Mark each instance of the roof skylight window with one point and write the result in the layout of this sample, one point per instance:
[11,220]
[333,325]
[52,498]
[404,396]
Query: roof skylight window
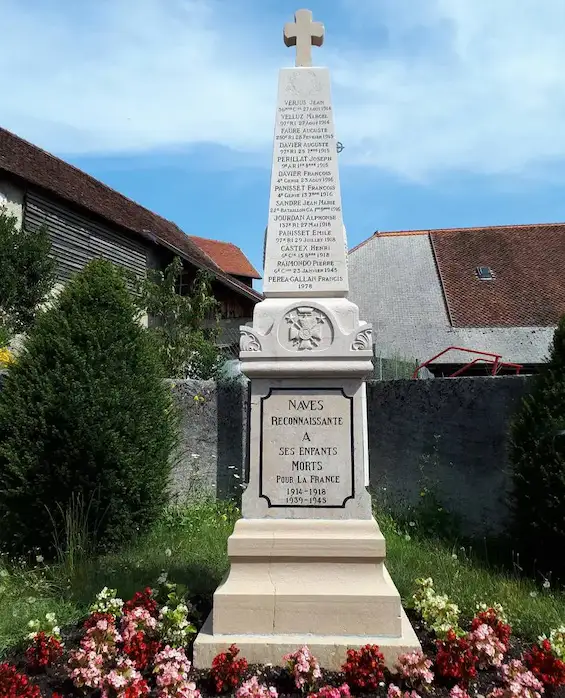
[485,273]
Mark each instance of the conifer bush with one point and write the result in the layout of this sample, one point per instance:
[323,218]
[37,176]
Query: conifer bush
[85,416]
[537,452]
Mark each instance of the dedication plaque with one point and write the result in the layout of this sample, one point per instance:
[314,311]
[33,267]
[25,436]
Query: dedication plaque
[306,448]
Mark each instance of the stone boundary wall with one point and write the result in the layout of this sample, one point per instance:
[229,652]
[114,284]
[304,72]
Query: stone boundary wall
[213,444]
[449,435]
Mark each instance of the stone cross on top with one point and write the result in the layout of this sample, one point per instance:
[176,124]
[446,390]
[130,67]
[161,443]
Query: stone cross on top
[303,33]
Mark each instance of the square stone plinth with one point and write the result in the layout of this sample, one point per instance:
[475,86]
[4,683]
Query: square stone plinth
[317,582]
[330,650]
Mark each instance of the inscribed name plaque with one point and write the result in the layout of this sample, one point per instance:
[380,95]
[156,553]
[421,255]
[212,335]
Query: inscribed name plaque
[306,451]
[305,250]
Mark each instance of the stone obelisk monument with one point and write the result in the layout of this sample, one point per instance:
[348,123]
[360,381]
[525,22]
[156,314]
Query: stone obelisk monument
[307,557]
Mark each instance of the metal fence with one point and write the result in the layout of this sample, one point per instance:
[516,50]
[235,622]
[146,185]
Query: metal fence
[392,367]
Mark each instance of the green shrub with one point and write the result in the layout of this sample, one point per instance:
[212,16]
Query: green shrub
[5,336]
[27,272]
[84,413]
[538,457]
[186,348]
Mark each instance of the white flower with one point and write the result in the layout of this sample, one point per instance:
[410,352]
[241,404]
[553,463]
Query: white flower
[407,536]
[454,556]
[107,602]
[546,584]
[168,552]
[39,559]
[533,594]
[4,573]
[412,523]
[162,578]
[557,639]
[30,599]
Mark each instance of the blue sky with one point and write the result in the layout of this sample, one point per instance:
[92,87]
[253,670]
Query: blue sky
[452,112]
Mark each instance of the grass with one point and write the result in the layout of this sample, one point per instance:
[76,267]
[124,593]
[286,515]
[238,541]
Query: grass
[189,543]
[531,609]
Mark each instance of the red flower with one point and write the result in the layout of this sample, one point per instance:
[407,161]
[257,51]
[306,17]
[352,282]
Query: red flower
[364,668]
[226,670]
[141,650]
[544,665]
[490,617]
[143,598]
[455,658]
[93,618]
[15,685]
[43,652]
[137,689]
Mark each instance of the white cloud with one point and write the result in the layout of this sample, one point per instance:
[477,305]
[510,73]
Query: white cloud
[133,75]
[445,85]
[487,95]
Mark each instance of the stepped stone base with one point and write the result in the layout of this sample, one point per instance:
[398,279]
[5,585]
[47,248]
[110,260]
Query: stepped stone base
[316,582]
[330,650]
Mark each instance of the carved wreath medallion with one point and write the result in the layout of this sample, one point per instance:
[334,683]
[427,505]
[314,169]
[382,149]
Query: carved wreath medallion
[306,329]
[303,84]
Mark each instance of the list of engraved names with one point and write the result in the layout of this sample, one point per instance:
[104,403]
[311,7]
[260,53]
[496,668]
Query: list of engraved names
[306,442]
[305,209]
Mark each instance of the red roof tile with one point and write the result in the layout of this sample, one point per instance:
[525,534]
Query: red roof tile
[527,261]
[528,265]
[39,168]
[227,256]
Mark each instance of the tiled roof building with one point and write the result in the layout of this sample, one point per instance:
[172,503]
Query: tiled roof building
[87,219]
[498,289]
[228,257]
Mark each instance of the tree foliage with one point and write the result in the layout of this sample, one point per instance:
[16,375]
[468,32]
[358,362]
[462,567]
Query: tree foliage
[538,456]
[186,346]
[27,272]
[85,415]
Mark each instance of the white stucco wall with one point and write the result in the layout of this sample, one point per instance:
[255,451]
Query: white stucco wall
[12,198]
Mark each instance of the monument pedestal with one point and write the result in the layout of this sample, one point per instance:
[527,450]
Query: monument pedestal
[317,582]
[307,558]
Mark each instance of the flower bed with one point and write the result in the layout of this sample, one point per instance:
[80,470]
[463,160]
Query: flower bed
[142,649]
